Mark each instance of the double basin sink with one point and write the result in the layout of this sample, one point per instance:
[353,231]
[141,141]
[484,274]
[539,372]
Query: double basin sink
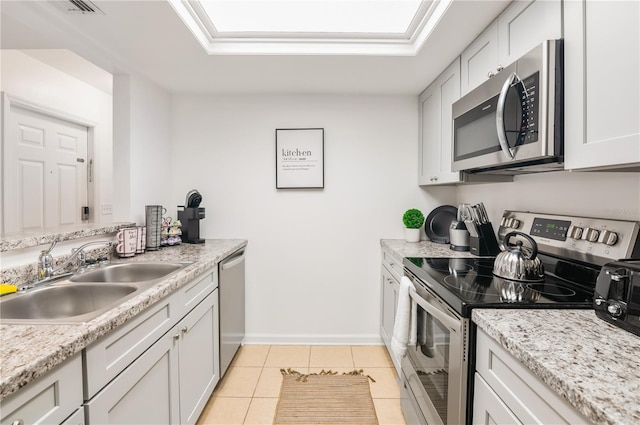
[85,295]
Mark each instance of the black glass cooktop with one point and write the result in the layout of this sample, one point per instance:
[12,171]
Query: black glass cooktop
[467,283]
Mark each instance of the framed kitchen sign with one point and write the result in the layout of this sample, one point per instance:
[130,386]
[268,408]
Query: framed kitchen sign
[299,158]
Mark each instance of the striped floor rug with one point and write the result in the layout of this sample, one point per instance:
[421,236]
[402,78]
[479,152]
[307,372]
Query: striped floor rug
[325,399]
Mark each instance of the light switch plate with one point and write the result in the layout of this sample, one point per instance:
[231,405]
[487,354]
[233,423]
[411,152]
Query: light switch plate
[106,209]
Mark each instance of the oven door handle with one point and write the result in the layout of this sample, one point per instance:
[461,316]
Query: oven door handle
[502,100]
[450,322]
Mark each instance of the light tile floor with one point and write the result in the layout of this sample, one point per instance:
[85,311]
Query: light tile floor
[249,391]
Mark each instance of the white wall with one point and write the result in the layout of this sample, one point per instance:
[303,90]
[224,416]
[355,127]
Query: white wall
[313,269]
[142,146]
[588,194]
[36,82]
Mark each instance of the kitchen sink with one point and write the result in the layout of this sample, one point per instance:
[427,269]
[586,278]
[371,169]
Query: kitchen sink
[63,301]
[127,272]
[85,295]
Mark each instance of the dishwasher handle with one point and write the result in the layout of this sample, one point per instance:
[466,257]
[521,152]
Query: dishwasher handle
[232,261]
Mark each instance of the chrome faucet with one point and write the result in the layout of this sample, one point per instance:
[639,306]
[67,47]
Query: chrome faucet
[45,259]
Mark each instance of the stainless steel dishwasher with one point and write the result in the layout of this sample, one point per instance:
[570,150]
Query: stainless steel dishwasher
[231,293]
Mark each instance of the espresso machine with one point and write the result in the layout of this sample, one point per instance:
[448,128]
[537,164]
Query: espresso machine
[190,217]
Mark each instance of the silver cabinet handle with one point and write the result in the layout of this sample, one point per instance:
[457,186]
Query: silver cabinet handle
[184,329]
[176,336]
[499,68]
[17,422]
[502,100]
[490,74]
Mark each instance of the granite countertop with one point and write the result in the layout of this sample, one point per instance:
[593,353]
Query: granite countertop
[591,363]
[401,248]
[28,351]
[10,241]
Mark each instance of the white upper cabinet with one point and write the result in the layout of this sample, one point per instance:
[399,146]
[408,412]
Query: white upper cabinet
[436,124]
[479,60]
[602,84]
[526,24]
[520,28]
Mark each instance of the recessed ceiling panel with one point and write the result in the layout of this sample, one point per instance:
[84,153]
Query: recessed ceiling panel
[312,16]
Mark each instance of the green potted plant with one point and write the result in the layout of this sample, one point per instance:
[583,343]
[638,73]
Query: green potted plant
[413,220]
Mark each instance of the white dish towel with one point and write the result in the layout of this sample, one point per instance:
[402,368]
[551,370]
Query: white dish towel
[404,328]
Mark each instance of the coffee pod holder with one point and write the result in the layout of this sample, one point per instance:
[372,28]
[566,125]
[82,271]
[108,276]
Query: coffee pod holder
[485,244]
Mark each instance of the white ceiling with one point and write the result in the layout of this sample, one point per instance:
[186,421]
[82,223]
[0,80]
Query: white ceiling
[148,38]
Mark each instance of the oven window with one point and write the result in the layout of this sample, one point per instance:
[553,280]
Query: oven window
[475,131]
[430,358]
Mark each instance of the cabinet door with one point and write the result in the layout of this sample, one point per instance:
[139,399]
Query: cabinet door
[479,61]
[430,154]
[525,24]
[602,64]
[76,419]
[488,409]
[146,392]
[47,400]
[198,358]
[389,288]
[436,127]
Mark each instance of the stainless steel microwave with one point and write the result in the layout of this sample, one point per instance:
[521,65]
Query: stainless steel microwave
[513,122]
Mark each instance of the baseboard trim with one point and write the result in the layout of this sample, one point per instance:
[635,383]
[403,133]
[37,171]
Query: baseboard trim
[273,339]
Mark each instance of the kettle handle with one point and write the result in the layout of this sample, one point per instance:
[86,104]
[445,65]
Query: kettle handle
[534,245]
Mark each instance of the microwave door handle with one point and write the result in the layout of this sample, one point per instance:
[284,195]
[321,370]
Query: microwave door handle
[447,320]
[502,100]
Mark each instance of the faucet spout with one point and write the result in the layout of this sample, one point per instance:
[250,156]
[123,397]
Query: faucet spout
[45,259]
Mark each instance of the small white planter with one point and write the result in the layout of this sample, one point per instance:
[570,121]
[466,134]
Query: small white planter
[412,235]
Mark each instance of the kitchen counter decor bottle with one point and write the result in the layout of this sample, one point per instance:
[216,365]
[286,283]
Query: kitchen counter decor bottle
[413,220]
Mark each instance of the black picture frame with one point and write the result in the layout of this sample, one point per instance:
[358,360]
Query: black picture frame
[300,158]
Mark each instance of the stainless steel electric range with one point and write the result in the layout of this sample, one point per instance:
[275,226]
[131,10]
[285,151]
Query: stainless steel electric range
[437,378]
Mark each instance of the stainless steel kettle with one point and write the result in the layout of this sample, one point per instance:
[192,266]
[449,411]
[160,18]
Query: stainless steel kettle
[519,263]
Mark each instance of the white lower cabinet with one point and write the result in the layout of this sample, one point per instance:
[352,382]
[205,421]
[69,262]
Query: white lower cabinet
[198,358]
[146,392]
[171,381]
[508,392]
[391,273]
[50,399]
[76,419]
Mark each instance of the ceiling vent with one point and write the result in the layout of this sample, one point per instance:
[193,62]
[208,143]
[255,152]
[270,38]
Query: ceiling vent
[78,7]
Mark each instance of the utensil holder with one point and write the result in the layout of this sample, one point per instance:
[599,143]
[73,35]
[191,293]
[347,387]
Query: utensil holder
[485,243]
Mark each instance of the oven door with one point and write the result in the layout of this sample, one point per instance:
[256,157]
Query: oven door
[435,369]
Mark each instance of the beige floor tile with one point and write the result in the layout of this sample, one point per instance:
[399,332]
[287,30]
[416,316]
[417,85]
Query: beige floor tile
[386,385]
[388,411]
[270,382]
[370,356]
[224,411]
[261,411]
[331,356]
[251,355]
[238,382]
[285,356]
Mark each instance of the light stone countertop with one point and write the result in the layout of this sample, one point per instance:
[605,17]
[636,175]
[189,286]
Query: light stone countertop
[10,241]
[594,365]
[401,248]
[28,351]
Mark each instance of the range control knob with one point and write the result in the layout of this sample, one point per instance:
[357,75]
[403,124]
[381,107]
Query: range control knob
[608,237]
[575,232]
[590,234]
[599,301]
[515,224]
[614,309]
[509,222]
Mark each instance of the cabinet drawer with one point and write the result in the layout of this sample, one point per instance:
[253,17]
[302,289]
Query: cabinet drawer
[111,354]
[488,408]
[190,295]
[76,419]
[50,399]
[392,263]
[528,397]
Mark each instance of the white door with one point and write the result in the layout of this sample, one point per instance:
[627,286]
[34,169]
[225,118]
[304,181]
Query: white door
[44,171]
